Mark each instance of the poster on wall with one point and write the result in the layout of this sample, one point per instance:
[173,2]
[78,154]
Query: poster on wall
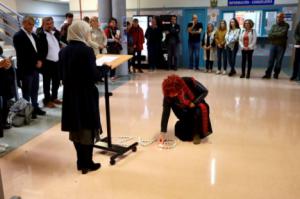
[250,2]
[213,15]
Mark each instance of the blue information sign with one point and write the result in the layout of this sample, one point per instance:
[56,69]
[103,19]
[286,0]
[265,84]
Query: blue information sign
[250,2]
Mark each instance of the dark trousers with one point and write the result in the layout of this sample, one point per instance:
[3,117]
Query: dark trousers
[172,55]
[1,117]
[276,57]
[247,57]
[231,55]
[296,68]
[221,52]
[208,63]
[30,88]
[84,155]
[115,51]
[194,54]
[154,56]
[137,59]
[50,75]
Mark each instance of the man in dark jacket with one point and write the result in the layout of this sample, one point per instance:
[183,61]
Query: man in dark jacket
[49,43]
[278,36]
[28,63]
[172,41]
[65,27]
[296,69]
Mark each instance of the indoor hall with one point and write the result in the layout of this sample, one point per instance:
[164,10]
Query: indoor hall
[252,153]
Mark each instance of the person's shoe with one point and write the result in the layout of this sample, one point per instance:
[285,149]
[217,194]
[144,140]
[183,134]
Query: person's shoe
[242,76]
[218,72]
[57,101]
[7,126]
[33,116]
[232,73]
[113,78]
[39,111]
[141,71]
[91,167]
[266,77]
[224,72]
[248,76]
[50,105]
[196,139]
[293,78]
[275,76]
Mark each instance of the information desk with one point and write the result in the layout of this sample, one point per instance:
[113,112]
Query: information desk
[108,62]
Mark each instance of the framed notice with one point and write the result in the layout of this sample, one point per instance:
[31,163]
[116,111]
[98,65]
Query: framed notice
[250,2]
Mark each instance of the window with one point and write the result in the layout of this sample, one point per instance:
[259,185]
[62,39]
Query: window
[255,16]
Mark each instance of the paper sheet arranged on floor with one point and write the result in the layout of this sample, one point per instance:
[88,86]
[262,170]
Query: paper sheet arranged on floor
[105,59]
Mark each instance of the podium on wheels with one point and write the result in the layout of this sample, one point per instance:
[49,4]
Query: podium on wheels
[107,62]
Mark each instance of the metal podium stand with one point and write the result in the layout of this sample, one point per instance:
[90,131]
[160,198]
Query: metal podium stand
[106,143]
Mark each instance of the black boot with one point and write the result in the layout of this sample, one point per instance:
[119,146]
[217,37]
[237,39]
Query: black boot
[88,164]
[79,156]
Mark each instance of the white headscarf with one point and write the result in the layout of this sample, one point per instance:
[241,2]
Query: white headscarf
[79,31]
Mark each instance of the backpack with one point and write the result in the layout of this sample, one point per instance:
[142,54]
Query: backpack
[20,113]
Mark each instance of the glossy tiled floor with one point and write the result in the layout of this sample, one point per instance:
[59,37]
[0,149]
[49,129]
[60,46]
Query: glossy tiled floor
[253,153]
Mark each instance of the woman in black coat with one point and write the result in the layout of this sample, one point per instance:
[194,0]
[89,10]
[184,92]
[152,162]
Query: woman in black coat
[6,90]
[80,110]
[185,96]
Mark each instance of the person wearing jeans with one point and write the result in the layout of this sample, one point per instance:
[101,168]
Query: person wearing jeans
[208,44]
[296,68]
[221,50]
[194,30]
[232,44]
[278,39]
[247,43]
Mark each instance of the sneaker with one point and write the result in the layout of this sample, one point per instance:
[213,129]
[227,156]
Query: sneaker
[218,72]
[224,72]
[113,78]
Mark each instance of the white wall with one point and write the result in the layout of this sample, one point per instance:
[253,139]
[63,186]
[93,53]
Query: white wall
[10,3]
[133,4]
[86,5]
[41,8]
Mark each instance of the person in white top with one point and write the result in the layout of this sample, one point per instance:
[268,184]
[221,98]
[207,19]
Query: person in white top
[98,36]
[49,44]
[232,44]
[247,42]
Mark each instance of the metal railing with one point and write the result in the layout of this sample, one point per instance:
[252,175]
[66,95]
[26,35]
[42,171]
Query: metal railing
[10,23]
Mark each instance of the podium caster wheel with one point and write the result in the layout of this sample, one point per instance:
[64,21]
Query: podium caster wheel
[112,162]
[134,149]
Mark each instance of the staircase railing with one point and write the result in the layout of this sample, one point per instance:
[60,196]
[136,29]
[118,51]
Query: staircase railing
[10,23]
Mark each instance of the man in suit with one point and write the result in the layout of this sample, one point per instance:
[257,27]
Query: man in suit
[172,41]
[48,38]
[28,63]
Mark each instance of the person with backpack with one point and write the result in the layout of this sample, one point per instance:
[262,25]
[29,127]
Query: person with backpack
[247,42]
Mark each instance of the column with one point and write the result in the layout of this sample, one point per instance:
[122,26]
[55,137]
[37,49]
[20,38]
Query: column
[105,10]
[119,12]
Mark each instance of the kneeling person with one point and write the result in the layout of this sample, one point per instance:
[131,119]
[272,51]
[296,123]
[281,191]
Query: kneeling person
[185,96]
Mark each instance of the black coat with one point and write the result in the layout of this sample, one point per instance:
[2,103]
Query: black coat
[80,109]
[43,42]
[6,81]
[27,57]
